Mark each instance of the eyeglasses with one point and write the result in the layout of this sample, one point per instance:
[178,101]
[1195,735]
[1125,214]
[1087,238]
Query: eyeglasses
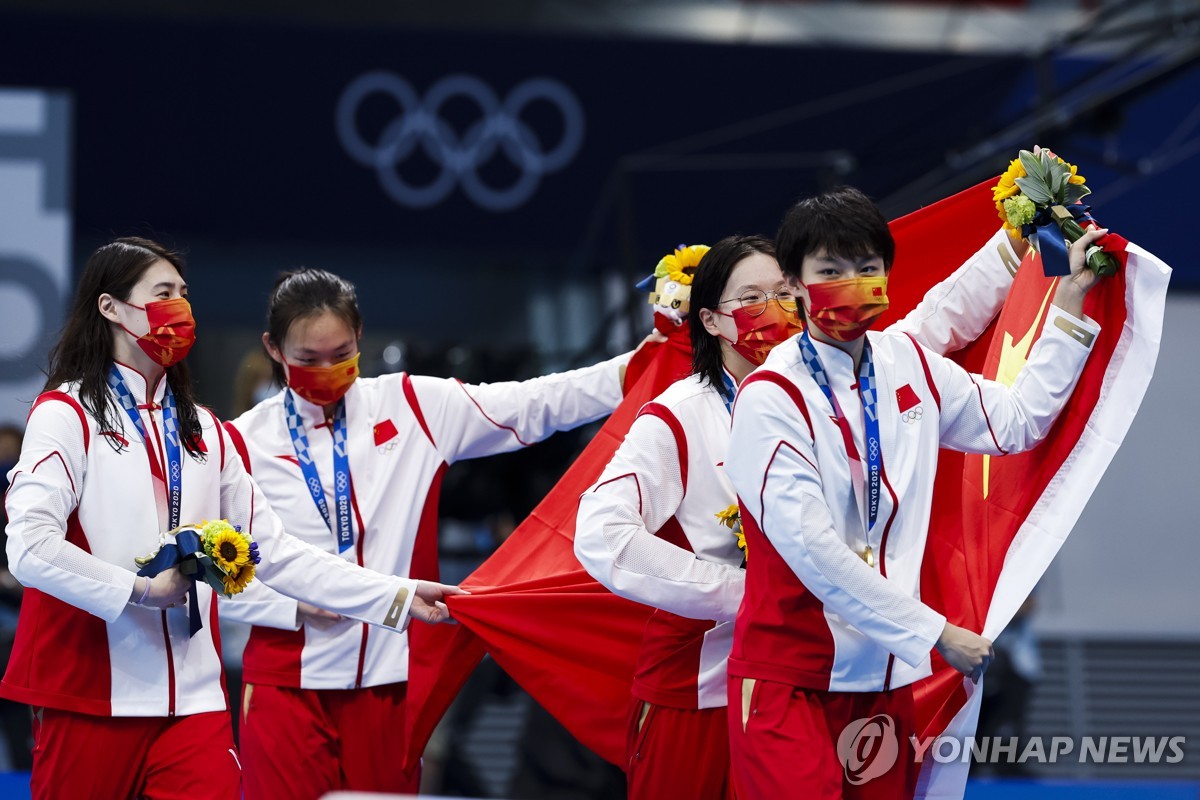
[754,302]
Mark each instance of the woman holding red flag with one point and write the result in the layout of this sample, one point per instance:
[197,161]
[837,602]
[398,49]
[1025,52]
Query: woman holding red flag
[355,467]
[128,696]
[833,453]
[655,528]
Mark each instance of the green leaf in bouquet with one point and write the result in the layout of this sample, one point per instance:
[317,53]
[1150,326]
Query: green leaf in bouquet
[1074,193]
[1057,181]
[213,577]
[1033,166]
[1034,189]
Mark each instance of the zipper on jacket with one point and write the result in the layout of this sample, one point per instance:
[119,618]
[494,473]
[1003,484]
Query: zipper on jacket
[362,649]
[362,657]
[160,455]
[883,539]
[170,667]
[887,677]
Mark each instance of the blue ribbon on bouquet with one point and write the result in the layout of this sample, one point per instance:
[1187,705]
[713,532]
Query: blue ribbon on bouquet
[186,552]
[1051,241]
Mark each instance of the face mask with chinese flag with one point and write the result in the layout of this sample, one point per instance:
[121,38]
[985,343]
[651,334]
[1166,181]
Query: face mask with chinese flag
[844,310]
[172,330]
[322,385]
[757,336]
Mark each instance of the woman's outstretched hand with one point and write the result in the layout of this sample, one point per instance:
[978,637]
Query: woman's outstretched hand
[429,606]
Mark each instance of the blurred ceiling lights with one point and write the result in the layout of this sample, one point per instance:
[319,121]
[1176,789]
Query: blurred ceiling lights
[1013,26]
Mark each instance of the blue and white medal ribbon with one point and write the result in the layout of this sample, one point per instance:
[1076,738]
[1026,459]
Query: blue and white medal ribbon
[730,392]
[174,471]
[341,470]
[866,392]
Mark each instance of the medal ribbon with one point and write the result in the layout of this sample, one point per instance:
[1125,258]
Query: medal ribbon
[174,476]
[341,470]
[866,393]
[730,392]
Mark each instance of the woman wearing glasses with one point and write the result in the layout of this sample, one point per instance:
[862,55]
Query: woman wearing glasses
[354,466]
[660,524]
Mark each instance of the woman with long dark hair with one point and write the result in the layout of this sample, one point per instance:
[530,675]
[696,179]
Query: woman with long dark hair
[660,525]
[355,465]
[125,683]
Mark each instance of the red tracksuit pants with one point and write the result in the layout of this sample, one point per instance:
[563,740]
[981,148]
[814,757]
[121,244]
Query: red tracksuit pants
[677,752]
[302,743]
[786,741]
[157,758]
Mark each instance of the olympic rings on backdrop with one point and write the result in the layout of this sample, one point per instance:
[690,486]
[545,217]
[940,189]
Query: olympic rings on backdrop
[459,157]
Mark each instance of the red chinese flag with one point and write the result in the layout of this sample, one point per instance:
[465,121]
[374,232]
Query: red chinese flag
[384,432]
[999,521]
[561,635]
[906,398]
[570,642]
[572,645]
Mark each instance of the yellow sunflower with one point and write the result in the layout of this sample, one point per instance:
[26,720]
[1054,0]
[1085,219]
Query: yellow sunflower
[1075,178]
[237,582]
[230,550]
[1006,188]
[730,516]
[680,266]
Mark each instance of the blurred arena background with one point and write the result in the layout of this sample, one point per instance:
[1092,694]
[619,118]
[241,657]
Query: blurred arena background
[495,175]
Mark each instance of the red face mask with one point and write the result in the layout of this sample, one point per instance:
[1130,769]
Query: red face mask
[172,330]
[322,385]
[757,336]
[844,310]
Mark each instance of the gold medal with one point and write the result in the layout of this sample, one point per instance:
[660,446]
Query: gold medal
[868,555]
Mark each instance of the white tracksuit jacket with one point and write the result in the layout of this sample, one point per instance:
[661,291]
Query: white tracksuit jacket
[648,530]
[402,432]
[82,505]
[815,615]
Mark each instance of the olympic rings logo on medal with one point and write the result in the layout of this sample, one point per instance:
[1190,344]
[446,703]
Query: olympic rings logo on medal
[499,131]
[912,415]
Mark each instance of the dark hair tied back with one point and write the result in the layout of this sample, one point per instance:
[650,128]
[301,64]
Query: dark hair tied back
[707,287]
[303,293]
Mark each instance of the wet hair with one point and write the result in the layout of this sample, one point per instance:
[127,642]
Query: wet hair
[708,286]
[305,293]
[843,222]
[84,351]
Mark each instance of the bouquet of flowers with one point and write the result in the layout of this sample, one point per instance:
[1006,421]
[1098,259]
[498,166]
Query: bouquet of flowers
[232,555]
[1038,197]
[731,518]
[215,552]
[671,284]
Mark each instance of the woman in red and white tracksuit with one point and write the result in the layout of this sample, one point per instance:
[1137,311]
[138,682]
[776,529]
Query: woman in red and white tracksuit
[127,702]
[649,528]
[354,465]
[833,453]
